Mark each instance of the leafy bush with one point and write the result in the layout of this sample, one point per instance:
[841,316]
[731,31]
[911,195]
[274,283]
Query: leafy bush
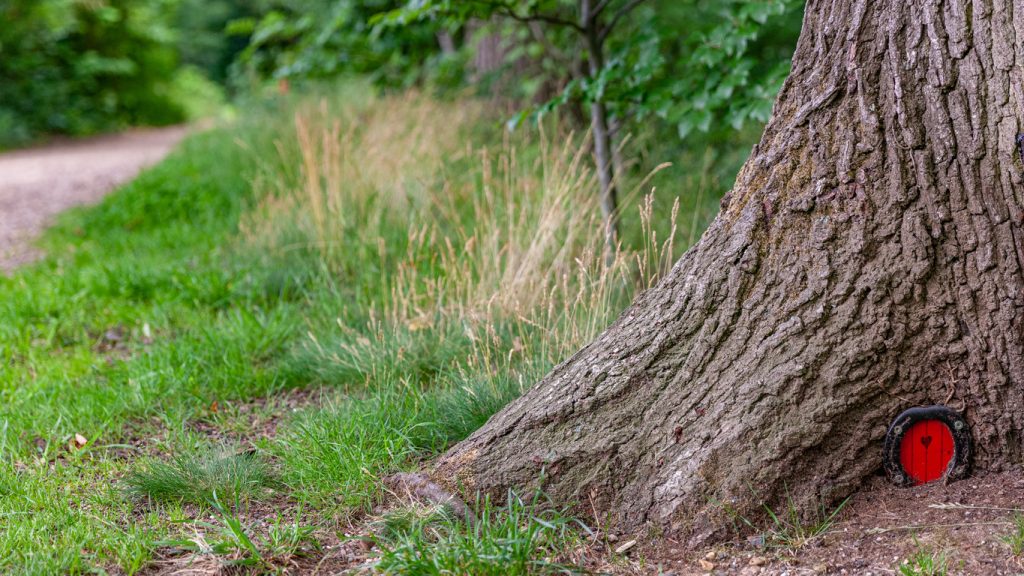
[75,67]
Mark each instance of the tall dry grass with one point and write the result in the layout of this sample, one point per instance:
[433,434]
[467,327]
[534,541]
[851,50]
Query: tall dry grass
[500,241]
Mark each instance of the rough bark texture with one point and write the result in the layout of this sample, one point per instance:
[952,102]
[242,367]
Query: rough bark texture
[867,260]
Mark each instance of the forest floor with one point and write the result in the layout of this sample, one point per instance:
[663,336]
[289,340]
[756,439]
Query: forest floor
[219,367]
[38,183]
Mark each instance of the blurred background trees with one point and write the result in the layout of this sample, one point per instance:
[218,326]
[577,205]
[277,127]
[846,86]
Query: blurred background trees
[697,64]
[78,67]
[690,67]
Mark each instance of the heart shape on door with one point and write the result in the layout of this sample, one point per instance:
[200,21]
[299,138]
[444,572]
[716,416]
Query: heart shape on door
[926,440]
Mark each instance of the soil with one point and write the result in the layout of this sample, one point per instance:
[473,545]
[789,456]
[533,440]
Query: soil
[878,529]
[38,183]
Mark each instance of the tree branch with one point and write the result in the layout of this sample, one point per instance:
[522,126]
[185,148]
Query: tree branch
[619,15]
[600,7]
[509,11]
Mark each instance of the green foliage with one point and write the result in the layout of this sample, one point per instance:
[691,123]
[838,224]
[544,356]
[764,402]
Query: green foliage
[321,38]
[524,537]
[202,41]
[197,96]
[81,67]
[735,56]
[697,65]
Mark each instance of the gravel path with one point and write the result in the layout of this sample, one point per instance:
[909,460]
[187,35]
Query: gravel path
[38,183]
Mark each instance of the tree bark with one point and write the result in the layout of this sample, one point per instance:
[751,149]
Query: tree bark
[867,260]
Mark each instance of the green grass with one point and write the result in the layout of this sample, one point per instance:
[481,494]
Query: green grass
[790,528]
[146,262]
[336,456]
[523,537]
[1015,539]
[924,562]
[202,477]
[201,322]
[417,279]
[62,520]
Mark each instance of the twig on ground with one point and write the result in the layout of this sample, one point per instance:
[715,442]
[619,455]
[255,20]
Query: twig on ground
[880,530]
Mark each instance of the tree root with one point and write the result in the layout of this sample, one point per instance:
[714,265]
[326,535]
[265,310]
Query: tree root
[420,488]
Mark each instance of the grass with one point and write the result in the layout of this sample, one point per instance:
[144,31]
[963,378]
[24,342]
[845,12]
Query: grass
[792,531]
[924,562]
[201,477]
[524,537]
[122,266]
[144,263]
[227,543]
[404,258]
[1015,539]
[792,528]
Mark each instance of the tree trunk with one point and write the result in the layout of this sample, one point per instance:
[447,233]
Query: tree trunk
[867,260]
[488,53]
[605,176]
[599,130]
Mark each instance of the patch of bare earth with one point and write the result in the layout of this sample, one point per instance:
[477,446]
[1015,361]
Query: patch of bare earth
[877,530]
[327,552]
[239,423]
[38,183]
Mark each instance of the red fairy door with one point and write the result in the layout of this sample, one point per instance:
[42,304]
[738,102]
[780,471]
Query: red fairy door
[926,451]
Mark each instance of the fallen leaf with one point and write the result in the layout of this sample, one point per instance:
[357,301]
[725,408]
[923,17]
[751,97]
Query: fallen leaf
[78,441]
[707,566]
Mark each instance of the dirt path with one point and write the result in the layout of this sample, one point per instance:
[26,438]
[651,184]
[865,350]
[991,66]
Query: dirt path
[38,183]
